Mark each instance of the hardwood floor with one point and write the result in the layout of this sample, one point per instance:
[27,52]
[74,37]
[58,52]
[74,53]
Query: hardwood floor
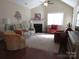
[27,53]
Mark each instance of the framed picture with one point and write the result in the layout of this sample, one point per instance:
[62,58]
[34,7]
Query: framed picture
[37,16]
[17,15]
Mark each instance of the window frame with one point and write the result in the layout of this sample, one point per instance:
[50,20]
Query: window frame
[77,19]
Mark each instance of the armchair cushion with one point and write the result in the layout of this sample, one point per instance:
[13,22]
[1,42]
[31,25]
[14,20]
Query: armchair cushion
[53,28]
[19,31]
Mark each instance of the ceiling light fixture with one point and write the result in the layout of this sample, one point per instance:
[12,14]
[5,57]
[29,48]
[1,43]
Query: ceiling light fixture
[46,4]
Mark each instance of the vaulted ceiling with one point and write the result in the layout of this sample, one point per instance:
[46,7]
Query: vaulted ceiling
[34,3]
[72,3]
[28,3]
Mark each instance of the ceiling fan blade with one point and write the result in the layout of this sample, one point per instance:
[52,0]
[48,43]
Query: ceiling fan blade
[50,3]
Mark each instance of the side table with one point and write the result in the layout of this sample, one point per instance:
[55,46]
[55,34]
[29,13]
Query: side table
[59,37]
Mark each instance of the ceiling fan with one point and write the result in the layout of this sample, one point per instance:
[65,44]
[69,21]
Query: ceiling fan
[47,2]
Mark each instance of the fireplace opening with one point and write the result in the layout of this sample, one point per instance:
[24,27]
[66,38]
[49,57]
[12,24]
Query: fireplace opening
[38,28]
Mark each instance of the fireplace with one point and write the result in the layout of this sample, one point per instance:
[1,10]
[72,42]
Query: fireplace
[38,28]
[39,25]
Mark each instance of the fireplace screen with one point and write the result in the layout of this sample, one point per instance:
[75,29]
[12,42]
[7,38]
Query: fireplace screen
[38,28]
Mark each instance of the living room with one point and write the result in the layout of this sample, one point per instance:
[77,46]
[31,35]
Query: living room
[8,11]
[23,15]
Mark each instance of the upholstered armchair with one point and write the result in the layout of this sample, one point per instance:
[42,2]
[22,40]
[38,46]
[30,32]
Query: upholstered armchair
[14,41]
[52,29]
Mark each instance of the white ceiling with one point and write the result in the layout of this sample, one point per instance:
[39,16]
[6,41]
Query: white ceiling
[34,3]
[28,3]
[72,3]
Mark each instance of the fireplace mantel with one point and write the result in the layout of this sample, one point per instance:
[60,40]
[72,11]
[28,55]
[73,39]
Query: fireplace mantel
[38,21]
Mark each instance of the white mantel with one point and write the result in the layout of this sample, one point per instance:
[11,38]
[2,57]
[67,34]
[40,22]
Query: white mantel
[39,22]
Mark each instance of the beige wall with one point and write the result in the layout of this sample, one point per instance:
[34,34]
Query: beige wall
[8,9]
[54,8]
[39,9]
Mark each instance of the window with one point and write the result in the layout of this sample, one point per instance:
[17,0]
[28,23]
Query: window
[55,18]
[77,21]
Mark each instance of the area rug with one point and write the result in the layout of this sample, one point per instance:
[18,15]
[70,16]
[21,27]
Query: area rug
[42,41]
